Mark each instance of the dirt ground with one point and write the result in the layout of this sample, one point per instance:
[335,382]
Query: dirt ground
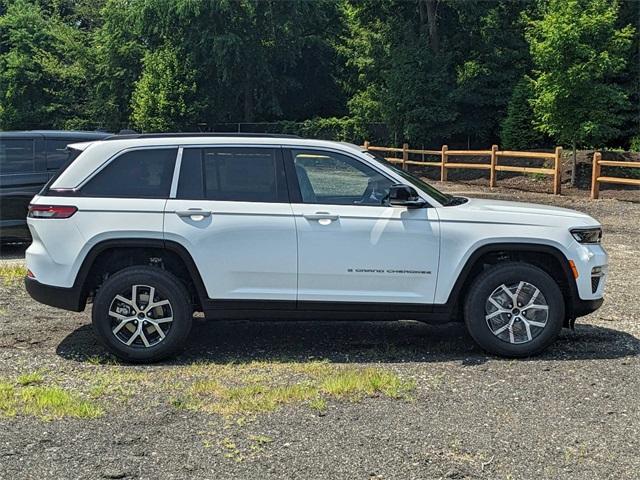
[439,407]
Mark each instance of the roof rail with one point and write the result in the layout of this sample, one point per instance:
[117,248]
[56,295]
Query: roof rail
[197,134]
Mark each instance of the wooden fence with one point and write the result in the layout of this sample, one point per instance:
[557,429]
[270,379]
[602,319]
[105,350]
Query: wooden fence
[597,179]
[493,166]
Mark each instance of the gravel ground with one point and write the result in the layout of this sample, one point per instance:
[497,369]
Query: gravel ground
[571,413]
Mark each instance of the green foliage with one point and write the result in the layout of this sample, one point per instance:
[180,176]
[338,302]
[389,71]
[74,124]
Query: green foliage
[165,98]
[577,51]
[517,130]
[343,129]
[118,52]
[493,60]
[431,71]
[41,69]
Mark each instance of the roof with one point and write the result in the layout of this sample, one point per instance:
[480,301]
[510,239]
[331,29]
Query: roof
[73,134]
[98,152]
[199,134]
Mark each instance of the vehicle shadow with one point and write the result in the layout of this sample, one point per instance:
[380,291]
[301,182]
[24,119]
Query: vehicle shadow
[12,251]
[358,342]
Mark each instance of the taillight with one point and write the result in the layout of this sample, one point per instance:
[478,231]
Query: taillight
[51,211]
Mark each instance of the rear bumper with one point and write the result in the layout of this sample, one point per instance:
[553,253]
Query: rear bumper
[59,297]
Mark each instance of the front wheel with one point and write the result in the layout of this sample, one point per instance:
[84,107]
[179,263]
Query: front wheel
[514,310]
[142,314]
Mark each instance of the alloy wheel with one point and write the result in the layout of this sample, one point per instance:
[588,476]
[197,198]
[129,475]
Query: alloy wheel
[517,313]
[140,318]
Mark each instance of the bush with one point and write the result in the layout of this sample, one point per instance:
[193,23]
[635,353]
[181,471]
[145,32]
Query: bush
[342,129]
[517,131]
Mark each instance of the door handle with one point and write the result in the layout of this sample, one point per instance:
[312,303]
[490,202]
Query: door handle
[193,212]
[321,216]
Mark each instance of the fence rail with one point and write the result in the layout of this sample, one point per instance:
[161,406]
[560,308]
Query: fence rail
[492,166]
[597,178]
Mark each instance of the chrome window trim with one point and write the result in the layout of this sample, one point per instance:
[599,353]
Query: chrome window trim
[176,174]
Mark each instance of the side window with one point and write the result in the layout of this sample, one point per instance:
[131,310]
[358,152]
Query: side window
[332,178]
[16,156]
[57,153]
[232,174]
[143,173]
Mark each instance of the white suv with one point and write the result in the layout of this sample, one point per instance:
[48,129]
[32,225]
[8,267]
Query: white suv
[155,227]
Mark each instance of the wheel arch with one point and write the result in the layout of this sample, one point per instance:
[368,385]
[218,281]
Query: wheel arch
[547,257]
[109,256]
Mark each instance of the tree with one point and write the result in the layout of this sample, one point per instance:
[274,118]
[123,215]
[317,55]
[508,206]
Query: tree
[118,50]
[491,58]
[164,98]
[517,129]
[577,50]
[42,74]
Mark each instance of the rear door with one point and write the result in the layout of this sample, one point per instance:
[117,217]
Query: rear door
[230,210]
[352,247]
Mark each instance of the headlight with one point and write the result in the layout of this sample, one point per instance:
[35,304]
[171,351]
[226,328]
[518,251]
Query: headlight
[587,235]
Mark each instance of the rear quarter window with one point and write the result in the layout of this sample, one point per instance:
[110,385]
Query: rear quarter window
[145,173]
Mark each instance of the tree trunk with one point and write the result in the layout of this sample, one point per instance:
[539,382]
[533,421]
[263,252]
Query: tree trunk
[428,10]
[574,163]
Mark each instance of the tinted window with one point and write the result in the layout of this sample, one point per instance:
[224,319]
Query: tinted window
[231,174]
[139,173]
[16,156]
[327,177]
[57,153]
[443,198]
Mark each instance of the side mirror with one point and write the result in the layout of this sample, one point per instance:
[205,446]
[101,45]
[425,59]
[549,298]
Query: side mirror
[404,196]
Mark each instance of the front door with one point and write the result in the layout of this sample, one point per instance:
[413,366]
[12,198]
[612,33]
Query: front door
[231,212]
[351,246]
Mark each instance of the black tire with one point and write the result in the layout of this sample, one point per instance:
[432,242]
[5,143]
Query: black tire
[508,274]
[168,287]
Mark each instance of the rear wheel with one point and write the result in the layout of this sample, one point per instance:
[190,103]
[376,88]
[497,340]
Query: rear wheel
[514,310]
[142,314]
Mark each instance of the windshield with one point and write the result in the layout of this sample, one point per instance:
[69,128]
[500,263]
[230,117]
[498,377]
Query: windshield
[440,197]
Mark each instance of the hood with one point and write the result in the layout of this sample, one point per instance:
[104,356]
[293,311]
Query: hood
[499,211]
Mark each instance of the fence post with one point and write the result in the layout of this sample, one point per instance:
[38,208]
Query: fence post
[405,155]
[494,161]
[443,169]
[595,173]
[366,145]
[557,174]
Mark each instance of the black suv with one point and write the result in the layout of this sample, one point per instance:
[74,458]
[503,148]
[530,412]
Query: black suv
[28,160]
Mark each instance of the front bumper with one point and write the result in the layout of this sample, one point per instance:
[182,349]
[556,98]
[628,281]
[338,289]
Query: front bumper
[580,308]
[586,257]
[59,297]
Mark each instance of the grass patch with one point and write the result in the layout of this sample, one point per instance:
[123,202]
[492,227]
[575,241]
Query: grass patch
[318,404]
[45,402]
[264,387]
[12,272]
[232,390]
[356,383]
[34,378]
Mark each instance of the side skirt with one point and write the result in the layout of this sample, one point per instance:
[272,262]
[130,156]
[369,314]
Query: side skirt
[310,310]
